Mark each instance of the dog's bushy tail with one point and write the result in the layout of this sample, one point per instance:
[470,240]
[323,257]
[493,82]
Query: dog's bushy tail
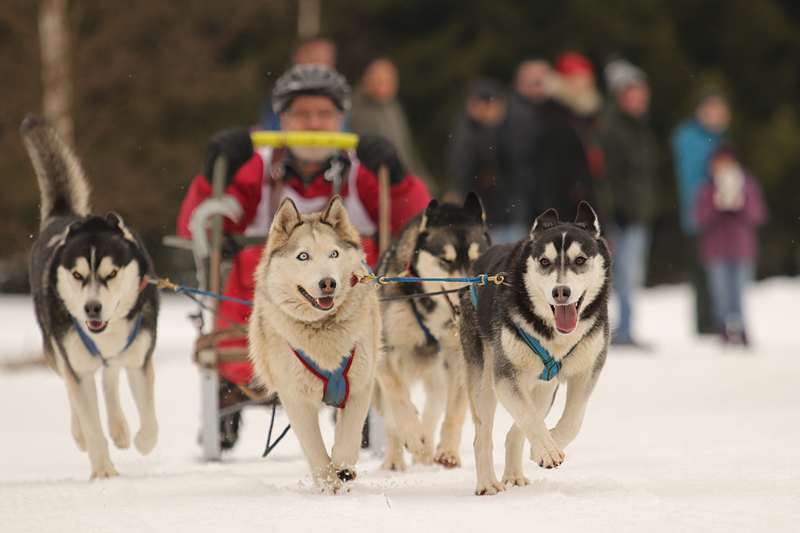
[62,183]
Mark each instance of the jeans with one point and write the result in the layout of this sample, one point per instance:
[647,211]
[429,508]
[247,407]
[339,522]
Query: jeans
[632,246]
[726,282]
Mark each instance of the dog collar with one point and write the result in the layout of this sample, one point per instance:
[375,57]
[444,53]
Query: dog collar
[92,347]
[336,385]
[551,366]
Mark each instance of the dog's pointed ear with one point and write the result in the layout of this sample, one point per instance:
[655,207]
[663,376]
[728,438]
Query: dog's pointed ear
[545,221]
[114,221]
[474,206]
[286,219]
[587,219]
[428,213]
[335,215]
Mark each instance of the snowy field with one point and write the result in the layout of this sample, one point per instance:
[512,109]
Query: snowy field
[689,437]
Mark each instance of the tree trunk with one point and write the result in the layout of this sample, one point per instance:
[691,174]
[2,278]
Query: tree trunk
[54,39]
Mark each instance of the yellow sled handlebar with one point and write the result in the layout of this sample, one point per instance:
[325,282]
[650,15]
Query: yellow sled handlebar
[316,139]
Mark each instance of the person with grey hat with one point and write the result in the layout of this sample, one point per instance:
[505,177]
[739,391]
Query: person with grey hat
[305,98]
[631,166]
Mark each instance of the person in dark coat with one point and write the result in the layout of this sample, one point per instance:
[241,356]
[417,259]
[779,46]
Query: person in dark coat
[548,157]
[631,165]
[478,159]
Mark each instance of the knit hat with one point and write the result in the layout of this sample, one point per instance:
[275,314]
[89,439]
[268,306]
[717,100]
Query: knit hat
[573,63]
[485,89]
[621,73]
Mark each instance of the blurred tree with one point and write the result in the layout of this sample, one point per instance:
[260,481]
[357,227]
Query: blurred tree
[153,80]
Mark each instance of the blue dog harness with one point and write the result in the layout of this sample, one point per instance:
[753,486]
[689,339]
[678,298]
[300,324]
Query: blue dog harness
[551,366]
[336,384]
[92,347]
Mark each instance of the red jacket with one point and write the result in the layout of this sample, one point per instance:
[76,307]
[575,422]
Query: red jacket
[251,188]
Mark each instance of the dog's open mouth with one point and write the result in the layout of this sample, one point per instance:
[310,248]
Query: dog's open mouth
[566,316]
[96,326]
[323,304]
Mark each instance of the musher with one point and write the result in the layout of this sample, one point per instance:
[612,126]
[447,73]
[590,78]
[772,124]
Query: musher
[305,98]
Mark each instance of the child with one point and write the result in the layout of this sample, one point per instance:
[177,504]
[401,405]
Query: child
[730,207]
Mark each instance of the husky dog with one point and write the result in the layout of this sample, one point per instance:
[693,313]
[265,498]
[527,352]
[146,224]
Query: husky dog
[315,332]
[421,334]
[547,324]
[93,304]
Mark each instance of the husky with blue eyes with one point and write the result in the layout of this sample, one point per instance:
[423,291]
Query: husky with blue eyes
[546,325]
[315,332]
[95,308]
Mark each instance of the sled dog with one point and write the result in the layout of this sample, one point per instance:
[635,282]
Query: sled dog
[93,304]
[421,334]
[315,332]
[546,324]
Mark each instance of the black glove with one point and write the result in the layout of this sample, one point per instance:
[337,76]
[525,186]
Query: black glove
[374,151]
[233,143]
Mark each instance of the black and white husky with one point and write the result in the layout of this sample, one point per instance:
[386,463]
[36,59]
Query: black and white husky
[92,301]
[547,324]
[421,334]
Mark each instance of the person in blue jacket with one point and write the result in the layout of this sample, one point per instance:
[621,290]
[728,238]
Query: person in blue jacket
[693,142]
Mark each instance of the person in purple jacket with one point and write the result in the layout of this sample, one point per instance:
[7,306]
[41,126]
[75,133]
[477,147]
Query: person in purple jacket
[730,209]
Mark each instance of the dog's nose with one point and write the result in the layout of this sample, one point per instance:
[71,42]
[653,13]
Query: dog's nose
[93,309]
[561,294]
[327,285]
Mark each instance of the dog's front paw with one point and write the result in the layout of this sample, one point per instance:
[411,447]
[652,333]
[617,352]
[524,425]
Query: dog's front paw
[146,439]
[447,458]
[547,454]
[490,487]
[104,471]
[120,434]
[515,479]
[346,474]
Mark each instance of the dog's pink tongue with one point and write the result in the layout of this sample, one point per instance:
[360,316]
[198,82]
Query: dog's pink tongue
[566,317]
[325,302]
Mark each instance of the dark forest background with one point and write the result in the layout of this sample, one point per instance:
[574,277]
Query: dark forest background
[154,79]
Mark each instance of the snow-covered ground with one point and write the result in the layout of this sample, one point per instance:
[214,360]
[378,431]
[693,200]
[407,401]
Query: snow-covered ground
[689,437]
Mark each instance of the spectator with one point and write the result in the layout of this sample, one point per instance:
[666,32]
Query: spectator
[630,152]
[729,209]
[306,98]
[313,51]
[477,159]
[692,142]
[549,163]
[377,111]
[575,86]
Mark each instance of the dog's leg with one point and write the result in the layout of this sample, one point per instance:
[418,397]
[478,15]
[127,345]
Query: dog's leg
[435,383]
[77,432]
[394,446]
[405,415]
[484,405]
[83,394]
[304,418]
[347,439]
[117,425]
[514,474]
[544,450]
[579,388]
[447,452]
[141,380]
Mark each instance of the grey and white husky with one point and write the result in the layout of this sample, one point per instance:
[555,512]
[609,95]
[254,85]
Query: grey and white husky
[547,324]
[421,334]
[94,306]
